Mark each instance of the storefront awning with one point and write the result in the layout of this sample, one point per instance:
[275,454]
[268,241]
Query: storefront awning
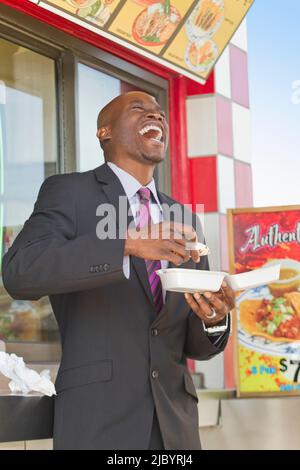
[186,36]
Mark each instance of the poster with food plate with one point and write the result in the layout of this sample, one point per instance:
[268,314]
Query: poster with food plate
[95,12]
[188,36]
[205,34]
[267,326]
[150,24]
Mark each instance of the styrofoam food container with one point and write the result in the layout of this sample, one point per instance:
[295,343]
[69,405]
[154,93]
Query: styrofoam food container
[286,263]
[255,278]
[193,280]
[190,280]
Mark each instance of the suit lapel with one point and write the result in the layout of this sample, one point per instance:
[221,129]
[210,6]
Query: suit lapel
[112,187]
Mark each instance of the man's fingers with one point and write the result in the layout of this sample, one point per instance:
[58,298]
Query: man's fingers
[216,303]
[204,306]
[169,239]
[178,250]
[192,303]
[229,294]
[180,241]
[182,231]
[200,308]
[195,256]
[174,258]
[175,231]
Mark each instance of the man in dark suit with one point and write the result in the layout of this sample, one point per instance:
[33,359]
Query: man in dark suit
[123,381]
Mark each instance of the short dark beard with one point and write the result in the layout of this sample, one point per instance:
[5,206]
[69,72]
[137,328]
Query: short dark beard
[152,160]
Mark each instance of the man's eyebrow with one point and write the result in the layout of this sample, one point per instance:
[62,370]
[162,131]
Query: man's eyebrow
[137,102]
[140,102]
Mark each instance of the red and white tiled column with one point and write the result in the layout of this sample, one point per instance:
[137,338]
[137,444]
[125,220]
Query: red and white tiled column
[219,151]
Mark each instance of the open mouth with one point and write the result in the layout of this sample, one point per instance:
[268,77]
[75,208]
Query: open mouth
[153,133]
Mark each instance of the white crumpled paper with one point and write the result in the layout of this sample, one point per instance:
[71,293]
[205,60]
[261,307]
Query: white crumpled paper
[24,379]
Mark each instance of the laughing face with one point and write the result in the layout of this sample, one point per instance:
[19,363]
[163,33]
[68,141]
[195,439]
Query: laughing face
[134,126]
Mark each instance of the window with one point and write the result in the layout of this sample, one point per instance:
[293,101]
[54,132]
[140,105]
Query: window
[95,90]
[28,154]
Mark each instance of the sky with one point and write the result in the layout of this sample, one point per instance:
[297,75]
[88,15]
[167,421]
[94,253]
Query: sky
[274,68]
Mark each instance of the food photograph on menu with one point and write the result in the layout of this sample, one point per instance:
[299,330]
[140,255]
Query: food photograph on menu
[189,36]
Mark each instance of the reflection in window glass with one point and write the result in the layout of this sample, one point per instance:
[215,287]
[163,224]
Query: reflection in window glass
[28,154]
[95,90]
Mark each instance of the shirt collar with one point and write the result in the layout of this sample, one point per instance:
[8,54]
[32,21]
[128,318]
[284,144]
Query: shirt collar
[132,185]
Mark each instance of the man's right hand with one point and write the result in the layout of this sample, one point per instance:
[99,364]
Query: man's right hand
[163,241]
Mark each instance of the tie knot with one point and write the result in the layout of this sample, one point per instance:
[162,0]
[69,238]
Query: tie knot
[144,194]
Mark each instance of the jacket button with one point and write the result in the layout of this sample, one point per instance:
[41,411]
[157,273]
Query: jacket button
[154,374]
[106,267]
[154,332]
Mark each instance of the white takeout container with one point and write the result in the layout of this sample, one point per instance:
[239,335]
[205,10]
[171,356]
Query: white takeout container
[255,278]
[193,280]
[190,280]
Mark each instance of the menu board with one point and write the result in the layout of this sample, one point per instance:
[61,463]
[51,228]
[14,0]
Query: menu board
[267,322]
[187,36]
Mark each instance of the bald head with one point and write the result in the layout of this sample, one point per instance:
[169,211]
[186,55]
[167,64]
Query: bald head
[108,113]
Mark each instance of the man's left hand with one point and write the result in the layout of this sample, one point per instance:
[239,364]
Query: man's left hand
[212,307]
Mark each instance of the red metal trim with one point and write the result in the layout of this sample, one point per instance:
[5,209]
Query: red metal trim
[229,370]
[180,169]
[194,88]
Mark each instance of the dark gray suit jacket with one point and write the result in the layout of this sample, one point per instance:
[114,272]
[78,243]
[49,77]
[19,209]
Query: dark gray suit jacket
[119,358]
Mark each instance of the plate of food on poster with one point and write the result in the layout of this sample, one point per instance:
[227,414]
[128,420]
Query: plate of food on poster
[156,23]
[200,56]
[269,316]
[205,19]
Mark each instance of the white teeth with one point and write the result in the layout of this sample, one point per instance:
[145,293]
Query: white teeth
[152,128]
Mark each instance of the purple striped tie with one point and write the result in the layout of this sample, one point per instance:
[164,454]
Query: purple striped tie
[152,266]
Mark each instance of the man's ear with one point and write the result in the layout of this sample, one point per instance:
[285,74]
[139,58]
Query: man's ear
[104,133]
